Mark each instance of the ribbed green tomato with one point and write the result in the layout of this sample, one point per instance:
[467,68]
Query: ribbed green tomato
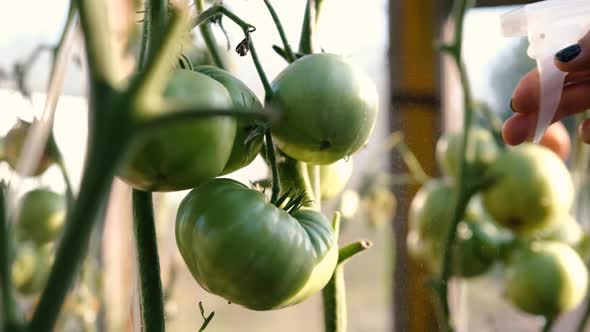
[431,209]
[41,216]
[567,231]
[30,267]
[242,153]
[327,108]
[13,144]
[533,189]
[182,156]
[248,251]
[334,177]
[546,279]
[482,151]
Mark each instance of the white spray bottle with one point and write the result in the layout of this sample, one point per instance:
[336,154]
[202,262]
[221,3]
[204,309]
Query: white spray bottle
[550,25]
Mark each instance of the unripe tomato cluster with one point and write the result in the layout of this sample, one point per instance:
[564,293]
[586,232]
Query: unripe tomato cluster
[521,220]
[38,226]
[237,244]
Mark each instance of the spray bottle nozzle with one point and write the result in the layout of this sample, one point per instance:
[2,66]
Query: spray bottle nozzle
[550,26]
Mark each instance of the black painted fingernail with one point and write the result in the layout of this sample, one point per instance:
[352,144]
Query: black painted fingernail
[512,105]
[569,53]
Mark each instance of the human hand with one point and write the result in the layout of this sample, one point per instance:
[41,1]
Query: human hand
[575,60]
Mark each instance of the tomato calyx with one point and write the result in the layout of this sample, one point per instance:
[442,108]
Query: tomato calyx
[294,199]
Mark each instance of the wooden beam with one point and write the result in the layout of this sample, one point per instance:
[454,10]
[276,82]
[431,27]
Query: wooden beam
[415,91]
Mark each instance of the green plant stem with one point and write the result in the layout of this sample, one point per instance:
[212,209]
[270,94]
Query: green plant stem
[352,249]
[105,150]
[314,179]
[101,61]
[151,298]
[12,318]
[272,159]
[247,29]
[209,38]
[334,302]
[155,24]
[464,193]
[549,321]
[307,28]
[290,56]
[64,173]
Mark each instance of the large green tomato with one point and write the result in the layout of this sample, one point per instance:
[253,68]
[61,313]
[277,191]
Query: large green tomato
[31,267]
[334,177]
[13,145]
[248,251]
[547,279]
[532,190]
[41,216]
[327,108]
[182,156]
[482,151]
[243,153]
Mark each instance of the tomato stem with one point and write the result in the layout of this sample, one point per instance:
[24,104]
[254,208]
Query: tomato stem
[247,29]
[289,55]
[352,249]
[146,245]
[272,159]
[64,173]
[155,26]
[12,318]
[307,28]
[209,38]
[549,321]
[464,194]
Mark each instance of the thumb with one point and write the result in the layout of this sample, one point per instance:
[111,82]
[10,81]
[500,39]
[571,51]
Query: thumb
[575,57]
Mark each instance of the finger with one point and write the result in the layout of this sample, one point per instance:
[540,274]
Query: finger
[519,128]
[584,131]
[574,98]
[575,57]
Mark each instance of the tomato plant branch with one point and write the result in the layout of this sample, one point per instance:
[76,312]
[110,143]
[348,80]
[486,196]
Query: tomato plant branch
[64,173]
[11,318]
[352,249]
[334,294]
[155,25]
[99,51]
[464,193]
[314,179]
[549,322]
[272,159]
[146,245]
[245,46]
[307,28]
[289,55]
[209,38]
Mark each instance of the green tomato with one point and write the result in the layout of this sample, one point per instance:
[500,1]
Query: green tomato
[334,177]
[243,153]
[31,266]
[182,156]
[477,242]
[42,215]
[482,151]
[547,279]
[327,108]
[533,188]
[567,231]
[13,144]
[431,209]
[248,251]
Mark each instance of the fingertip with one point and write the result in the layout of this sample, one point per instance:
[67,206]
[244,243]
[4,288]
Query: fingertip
[526,94]
[518,128]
